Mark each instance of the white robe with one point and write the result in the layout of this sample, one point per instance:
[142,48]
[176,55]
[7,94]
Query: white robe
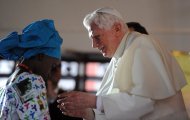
[142,82]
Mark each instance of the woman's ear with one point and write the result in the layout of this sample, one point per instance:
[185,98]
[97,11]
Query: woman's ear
[40,57]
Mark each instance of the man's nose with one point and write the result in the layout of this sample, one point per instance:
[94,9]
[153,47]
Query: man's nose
[94,44]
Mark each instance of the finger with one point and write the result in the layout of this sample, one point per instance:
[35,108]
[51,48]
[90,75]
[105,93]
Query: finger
[66,106]
[66,94]
[69,106]
[62,95]
[66,100]
[61,107]
[60,100]
[65,113]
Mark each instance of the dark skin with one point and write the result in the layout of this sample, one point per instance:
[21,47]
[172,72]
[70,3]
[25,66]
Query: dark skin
[53,81]
[56,73]
[42,65]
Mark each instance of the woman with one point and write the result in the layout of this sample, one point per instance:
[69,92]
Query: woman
[38,52]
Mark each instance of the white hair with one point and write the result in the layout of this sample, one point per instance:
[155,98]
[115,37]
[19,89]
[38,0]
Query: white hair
[103,20]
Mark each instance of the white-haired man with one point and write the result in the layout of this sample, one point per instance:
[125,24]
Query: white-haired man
[142,81]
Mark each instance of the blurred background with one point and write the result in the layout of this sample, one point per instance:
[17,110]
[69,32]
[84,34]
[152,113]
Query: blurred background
[82,66]
[166,20]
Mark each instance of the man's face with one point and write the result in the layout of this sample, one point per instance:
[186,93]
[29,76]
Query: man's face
[104,40]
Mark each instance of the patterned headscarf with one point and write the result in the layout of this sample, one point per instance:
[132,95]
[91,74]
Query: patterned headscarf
[38,37]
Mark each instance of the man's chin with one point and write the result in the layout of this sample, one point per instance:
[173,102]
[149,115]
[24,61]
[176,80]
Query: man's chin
[106,55]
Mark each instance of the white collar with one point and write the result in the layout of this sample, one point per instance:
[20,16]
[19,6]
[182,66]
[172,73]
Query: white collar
[121,47]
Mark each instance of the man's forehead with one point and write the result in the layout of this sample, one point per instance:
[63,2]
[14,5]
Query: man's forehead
[94,30]
[93,33]
[90,34]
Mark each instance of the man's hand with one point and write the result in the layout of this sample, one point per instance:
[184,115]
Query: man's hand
[77,104]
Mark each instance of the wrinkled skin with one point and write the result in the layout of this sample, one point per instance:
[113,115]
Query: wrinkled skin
[76,104]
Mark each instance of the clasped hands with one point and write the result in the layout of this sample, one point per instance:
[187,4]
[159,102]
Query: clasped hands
[76,104]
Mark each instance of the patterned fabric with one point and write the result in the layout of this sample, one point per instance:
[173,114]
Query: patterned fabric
[24,98]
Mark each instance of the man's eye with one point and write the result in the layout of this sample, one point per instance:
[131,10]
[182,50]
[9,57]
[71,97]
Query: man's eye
[97,38]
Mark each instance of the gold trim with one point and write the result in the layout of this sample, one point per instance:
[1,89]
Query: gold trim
[179,53]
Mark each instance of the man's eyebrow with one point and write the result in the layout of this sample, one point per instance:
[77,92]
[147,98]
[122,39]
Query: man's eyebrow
[96,36]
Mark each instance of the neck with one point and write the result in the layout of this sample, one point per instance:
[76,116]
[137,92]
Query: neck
[25,67]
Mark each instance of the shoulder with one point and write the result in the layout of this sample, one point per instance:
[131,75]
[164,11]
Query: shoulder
[26,77]
[145,41]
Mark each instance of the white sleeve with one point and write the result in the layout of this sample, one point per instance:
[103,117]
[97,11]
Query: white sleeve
[99,103]
[122,106]
[99,115]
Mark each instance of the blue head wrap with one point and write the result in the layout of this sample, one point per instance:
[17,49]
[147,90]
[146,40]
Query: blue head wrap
[38,37]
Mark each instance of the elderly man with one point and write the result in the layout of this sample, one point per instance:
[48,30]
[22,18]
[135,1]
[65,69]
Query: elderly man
[38,52]
[142,82]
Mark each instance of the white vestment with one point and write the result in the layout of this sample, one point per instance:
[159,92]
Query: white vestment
[142,82]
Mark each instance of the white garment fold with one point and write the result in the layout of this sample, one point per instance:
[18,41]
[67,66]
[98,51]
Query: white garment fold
[145,74]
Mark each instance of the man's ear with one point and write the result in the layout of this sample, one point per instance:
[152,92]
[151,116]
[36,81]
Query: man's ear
[117,27]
